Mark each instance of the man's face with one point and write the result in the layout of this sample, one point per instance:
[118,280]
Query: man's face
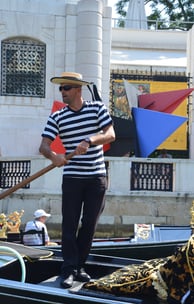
[68,92]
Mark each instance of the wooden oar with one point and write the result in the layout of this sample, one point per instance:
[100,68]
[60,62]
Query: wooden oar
[31,178]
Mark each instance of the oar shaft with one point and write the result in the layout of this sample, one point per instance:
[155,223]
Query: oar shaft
[31,178]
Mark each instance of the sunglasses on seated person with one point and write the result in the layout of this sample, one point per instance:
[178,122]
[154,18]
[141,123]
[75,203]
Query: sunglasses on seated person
[67,87]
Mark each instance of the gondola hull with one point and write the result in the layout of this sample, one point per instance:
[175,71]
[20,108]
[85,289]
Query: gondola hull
[165,241]
[139,251]
[25,293]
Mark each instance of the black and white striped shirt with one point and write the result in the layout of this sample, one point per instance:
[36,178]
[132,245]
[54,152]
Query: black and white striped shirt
[73,127]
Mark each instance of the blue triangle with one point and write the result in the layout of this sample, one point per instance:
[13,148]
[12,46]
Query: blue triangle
[153,128]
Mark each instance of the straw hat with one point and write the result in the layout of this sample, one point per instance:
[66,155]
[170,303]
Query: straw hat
[70,78]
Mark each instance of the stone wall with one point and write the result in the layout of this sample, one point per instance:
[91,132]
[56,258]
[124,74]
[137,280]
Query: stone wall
[122,212]
[119,215]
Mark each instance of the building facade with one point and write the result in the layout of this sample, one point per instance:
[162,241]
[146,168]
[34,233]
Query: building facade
[41,39]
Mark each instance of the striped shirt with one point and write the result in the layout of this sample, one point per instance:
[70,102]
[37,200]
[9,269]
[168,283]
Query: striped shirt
[73,127]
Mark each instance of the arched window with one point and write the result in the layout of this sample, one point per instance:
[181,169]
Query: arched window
[23,67]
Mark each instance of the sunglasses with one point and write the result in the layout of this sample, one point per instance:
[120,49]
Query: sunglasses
[66,88]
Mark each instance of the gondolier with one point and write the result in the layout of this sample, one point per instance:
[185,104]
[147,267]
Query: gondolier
[83,127]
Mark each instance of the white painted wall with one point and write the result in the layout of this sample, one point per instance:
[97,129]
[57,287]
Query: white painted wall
[190,71]
[77,34]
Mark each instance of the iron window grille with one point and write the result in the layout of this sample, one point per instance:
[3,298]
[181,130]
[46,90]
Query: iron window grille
[14,172]
[152,176]
[23,63]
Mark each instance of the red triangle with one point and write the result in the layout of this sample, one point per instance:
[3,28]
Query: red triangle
[57,145]
[57,105]
[163,101]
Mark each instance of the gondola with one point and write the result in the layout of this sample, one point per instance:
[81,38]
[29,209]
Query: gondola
[161,242]
[31,275]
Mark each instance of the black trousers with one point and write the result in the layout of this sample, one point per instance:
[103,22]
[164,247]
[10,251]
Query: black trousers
[82,203]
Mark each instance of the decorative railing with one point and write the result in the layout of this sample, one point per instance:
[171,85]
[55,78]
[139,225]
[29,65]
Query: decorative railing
[13,172]
[144,176]
[124,175]
[158,24]
[152,176]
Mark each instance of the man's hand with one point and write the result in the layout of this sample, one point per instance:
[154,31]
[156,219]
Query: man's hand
[58,160]
[82,148]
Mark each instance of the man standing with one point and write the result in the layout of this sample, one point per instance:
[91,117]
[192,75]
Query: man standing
[83,127]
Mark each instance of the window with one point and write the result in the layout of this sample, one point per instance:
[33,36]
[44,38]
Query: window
[23,67]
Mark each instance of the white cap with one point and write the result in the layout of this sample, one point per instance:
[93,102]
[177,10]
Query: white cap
[40,212]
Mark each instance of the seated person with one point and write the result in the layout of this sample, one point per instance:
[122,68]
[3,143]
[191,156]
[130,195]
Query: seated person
[164,154]
[40,217]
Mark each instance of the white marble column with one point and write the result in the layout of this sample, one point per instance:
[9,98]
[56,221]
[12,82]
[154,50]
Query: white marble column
[190,72]
[89,43]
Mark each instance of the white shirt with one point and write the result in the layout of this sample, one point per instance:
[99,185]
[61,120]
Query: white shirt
[35,239]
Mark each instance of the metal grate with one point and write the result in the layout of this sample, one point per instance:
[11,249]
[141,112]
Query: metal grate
[152,176]
[23,67]
[13,172]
